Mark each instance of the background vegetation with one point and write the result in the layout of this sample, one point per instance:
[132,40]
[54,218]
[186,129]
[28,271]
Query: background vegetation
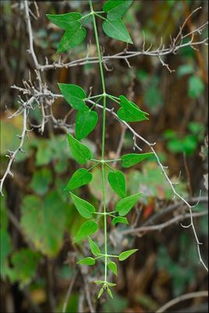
[38,259]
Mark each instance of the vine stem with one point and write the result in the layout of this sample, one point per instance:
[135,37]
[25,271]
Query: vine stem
[103,133]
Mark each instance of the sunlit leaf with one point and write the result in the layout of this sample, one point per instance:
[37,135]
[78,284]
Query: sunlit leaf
[119,219]
[126,254]
[80,178]
[95,250]
[87,261]
[132,159]
[84,208]
[124,206]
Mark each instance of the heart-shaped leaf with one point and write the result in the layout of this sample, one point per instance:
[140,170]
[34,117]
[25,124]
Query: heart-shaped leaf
[118,182]
[130,112]
[74,95]
[126,254]
[116,9]
[65,21]
[84,208]
[132,159]
[87,229]
[87,261]
[117,30]
[95,250]
[124,206]
[80,178]
[86,122]
[80,152]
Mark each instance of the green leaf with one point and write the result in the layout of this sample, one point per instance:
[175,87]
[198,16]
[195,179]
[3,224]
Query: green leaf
[72,38]
[130,112]
[24,265]
[117,30]
[79,151]
[109,292]
[113,267]
[86,229]
[41,180]
[118,182]
[101,291]
[116,8]
[119,219]
[80,178]
[132,159]
[74,95]
[196,86]
[43,222]
[87,261]
[95,250]
[65,21]
[126,254]
[86,122]
[124,206]
[84,208]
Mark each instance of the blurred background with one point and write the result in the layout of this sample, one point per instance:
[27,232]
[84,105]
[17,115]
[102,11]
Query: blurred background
[38,259]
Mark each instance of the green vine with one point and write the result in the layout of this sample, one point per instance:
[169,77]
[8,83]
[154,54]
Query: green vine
[74,25]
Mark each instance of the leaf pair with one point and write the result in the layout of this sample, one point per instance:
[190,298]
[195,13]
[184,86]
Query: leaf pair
[86,120]
[74,34]
[114,26]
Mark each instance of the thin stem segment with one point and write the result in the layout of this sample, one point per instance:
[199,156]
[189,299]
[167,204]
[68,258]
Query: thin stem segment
[103,134]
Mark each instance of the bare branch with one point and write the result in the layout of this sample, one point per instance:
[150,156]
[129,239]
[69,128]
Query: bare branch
[192,295]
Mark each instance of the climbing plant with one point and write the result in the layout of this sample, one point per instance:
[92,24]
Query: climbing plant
[86,120]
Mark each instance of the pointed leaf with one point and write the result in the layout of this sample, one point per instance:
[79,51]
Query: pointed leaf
[109,292]
[79,151]
[119,219]
[126,254]
[95,250]
[113,268]
[80,178]
[86,122]
[132,159]
[86,229]
[101,291]
[116,9]
[117,30]
[118,182]
[72,38]
[84,208]
[124,206]
[74,95]
[65,21]
[99,282]
[130,112]
[87,261]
